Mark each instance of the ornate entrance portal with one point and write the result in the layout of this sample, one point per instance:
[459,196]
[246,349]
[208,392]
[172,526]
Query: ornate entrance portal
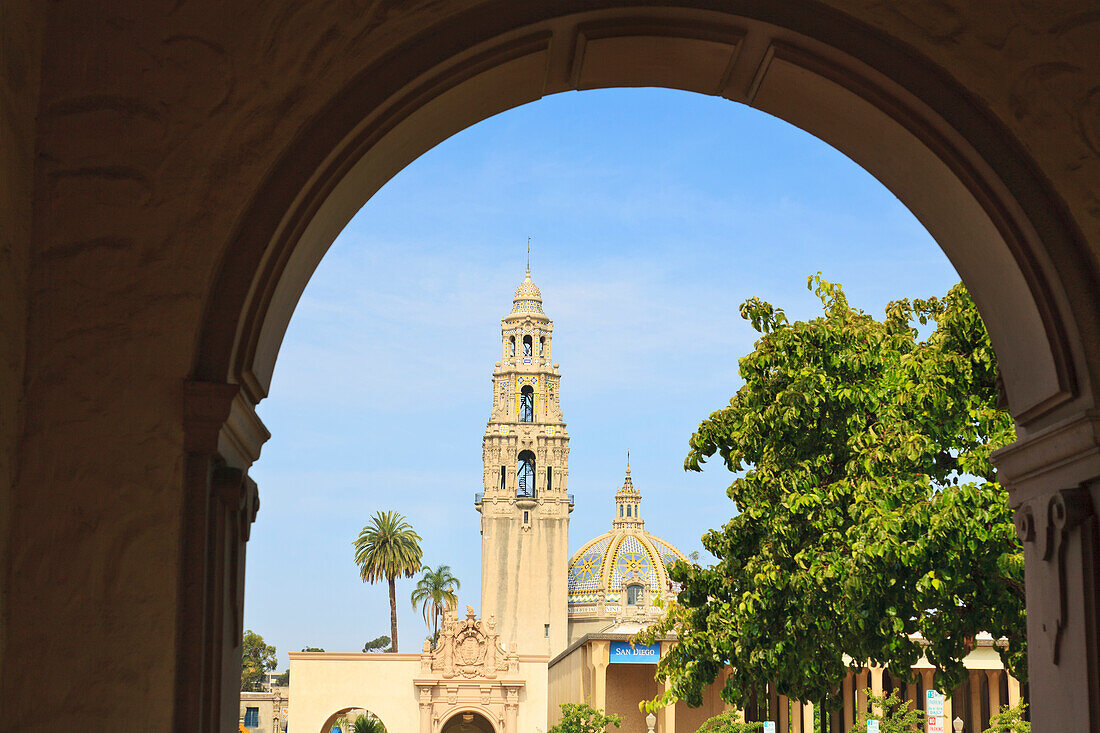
[469,677]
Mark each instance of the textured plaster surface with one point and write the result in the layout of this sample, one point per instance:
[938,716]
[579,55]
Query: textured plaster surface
[158,121]
[20,53]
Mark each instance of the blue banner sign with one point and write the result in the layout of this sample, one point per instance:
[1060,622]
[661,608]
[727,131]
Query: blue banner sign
[623,653]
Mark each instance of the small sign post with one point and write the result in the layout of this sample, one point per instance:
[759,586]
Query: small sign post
[933,712]
[769,726]
[872,726]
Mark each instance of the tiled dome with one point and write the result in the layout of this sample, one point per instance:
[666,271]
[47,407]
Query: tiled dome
[528,299]
[627,552]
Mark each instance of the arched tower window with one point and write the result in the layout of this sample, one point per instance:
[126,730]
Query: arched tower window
[513,350]
[549,477]
[633,595]
[525,474]
[527,404]
[542,345]
[527,346]
[628,510]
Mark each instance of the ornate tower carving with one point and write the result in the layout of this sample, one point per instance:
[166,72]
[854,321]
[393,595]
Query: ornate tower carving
[524,507]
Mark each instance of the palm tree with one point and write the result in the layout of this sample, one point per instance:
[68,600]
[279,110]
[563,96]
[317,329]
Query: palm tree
[385,549]
[363,724]
[434,591]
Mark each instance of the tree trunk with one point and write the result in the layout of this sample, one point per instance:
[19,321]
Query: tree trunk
[435,626]
[393,616]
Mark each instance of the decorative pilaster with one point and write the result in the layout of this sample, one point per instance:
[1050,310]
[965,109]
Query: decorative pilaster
[848,713]
[975,678]
[993,677]
[222,437]
[425,710]
[600,658]
[1053,478]
[511,709]
[1013,691]
[876,685]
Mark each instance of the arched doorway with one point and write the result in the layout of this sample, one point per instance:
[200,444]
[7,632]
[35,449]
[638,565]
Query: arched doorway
[468,722]
[345,719]
[892,111]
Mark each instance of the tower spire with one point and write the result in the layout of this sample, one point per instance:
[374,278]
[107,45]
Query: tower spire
[528,255]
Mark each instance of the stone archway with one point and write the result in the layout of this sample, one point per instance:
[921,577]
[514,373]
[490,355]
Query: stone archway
[467,721]
[181,172]
[900,117]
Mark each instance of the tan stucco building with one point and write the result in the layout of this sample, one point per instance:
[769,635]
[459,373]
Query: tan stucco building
[265,711]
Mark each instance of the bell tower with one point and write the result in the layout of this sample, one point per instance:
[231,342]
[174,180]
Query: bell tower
[524,506]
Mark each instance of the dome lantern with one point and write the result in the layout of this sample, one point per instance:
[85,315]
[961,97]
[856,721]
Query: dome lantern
[628,501]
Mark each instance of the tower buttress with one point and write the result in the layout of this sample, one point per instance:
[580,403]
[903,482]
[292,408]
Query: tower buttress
[525,505]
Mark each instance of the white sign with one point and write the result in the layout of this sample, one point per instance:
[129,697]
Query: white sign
[769,726]
[933,712]
[872,726]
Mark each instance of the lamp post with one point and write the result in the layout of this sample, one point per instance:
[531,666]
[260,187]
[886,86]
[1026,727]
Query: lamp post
[957,724]
[650,722]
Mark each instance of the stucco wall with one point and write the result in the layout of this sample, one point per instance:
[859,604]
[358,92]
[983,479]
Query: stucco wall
[627,685]
[20,57]
[568,682]
[324,683]
[523,579]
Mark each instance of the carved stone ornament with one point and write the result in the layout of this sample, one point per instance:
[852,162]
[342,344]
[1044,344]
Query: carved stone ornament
[1044,528]
[470,648]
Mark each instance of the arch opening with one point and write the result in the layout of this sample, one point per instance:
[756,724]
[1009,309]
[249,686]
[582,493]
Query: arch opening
[468,722]
[345,720]
[982,218]
[525,474]
[527,404]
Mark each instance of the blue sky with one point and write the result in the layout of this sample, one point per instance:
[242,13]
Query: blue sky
[654,214]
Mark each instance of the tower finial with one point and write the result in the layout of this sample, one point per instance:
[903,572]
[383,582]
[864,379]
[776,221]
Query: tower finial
[528,255]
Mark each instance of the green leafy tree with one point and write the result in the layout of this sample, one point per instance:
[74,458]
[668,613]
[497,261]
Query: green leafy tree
[257,659]
[583,718]
[728,722]
[893,714]
[868,507]
[1010,720]
[284,679]
[434,592]
[312,649]
[378,645]
[387,549]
